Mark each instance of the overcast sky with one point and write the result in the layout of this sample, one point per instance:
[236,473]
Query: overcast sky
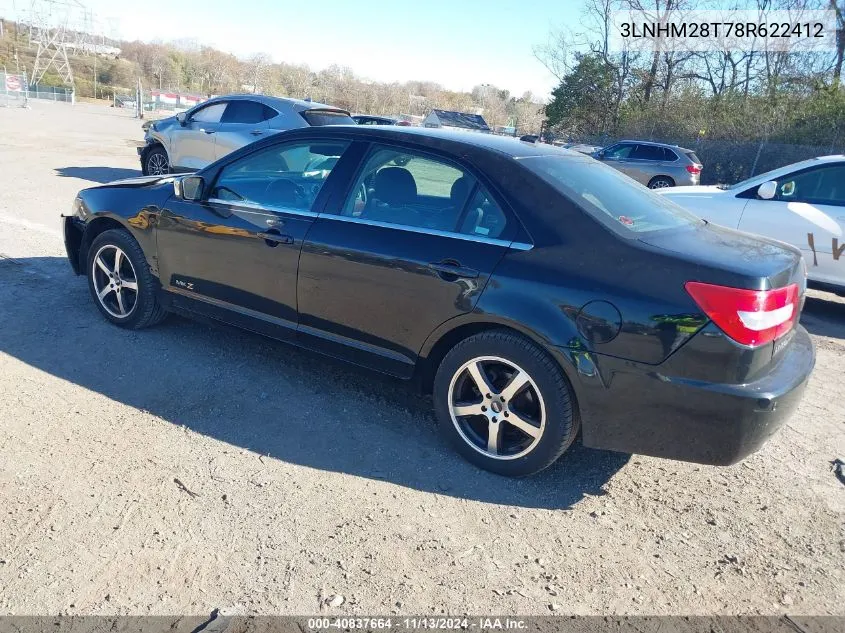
[457,43]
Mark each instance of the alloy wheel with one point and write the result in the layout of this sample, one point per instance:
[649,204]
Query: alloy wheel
[497,407]
[115,281]
[660,184]
[157,164]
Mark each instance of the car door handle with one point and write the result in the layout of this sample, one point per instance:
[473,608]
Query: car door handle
[453,269]
[274,238]
[257,132]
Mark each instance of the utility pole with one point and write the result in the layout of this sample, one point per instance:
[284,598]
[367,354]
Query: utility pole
[95,73]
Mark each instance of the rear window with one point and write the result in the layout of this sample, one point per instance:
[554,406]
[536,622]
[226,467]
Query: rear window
[693,157]
[327,117]
[250,112]
[608,195]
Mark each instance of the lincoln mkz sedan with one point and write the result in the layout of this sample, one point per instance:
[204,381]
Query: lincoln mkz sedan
[536,292]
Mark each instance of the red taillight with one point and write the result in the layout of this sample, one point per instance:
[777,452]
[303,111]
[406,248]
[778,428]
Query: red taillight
[694,169]
[750,317]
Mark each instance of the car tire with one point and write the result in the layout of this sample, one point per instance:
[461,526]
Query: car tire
[128,298]
[534,424]
[660,182]
[156,162]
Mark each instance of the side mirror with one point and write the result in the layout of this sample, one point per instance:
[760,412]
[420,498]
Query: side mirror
[767,190]
[599,155]
[182,117]
[189,188]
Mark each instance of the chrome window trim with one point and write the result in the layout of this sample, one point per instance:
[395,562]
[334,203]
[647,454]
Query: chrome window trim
[520,246]
[263,208]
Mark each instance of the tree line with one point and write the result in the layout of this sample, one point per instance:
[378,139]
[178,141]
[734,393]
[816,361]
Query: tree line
[185,66]
[744,109]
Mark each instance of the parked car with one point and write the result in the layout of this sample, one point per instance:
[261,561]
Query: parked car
[371,119]
[534,290]
[197,137]
[582,148]
[802,204]
[655,165]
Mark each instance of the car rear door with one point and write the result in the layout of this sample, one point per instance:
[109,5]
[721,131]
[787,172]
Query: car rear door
[192,144]
[382,266]
[234,255]
[243,122]
[617,156]
[808,211]
[645,162]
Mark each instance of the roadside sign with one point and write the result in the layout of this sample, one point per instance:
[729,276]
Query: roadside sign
[13,83]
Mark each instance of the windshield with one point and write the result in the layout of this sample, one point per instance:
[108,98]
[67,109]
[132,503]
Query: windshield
[608,195]
[327,117]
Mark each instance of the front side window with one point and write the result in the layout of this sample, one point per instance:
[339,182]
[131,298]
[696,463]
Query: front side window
[249,112]
[608,195]
[286,176]
[825,185]
[420,191]
[619,152]
[209,114]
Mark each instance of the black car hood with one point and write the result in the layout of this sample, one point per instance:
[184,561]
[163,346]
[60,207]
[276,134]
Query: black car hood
[140,181]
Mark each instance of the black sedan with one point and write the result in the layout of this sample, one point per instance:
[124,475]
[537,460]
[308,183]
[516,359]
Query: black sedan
[536,292]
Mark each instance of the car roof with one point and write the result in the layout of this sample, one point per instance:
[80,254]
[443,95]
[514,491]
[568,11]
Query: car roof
[506,145]
[656,144]
[297,105]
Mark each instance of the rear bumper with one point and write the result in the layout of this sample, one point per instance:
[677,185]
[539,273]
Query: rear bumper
[73,228]
[643,411]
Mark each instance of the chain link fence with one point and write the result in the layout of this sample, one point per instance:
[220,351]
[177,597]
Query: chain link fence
[15,90]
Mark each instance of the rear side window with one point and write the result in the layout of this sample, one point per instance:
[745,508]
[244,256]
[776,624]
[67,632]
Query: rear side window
[608,195]
[327,117]
[648,152]
[669,155]
[247,112]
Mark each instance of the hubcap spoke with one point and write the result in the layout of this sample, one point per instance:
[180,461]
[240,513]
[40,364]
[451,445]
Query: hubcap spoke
[104,292]
[517,382]
[522,424]
[120,305]
[103,266]
[130,285]
[493,429]
[476,371]
[118,258]
[461,410]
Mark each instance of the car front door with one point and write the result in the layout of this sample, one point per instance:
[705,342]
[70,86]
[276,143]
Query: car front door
[234,253]
[808,211]
[410,246]
[617,156]
[192,144]
[243,122]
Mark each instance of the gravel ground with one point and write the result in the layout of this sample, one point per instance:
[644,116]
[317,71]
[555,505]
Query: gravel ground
[191,466]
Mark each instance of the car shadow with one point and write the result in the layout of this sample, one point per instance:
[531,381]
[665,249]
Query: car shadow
[824,316]
[100,175]
[263,395]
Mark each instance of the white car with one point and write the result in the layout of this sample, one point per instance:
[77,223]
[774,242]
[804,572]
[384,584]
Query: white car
[801,204]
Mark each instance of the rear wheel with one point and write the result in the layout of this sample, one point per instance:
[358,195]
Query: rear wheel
[504,404]
[156,162]
[120,281]
[660,182]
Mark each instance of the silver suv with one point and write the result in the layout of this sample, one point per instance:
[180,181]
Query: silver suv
[196,138]
[655,165]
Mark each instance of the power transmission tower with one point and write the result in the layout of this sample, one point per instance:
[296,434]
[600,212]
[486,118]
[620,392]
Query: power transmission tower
[55,26]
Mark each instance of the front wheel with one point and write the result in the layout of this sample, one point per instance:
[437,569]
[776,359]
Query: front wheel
[156,163]
[504,403]
[120,281]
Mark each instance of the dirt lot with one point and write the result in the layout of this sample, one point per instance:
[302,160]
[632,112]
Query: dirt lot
[191,467]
